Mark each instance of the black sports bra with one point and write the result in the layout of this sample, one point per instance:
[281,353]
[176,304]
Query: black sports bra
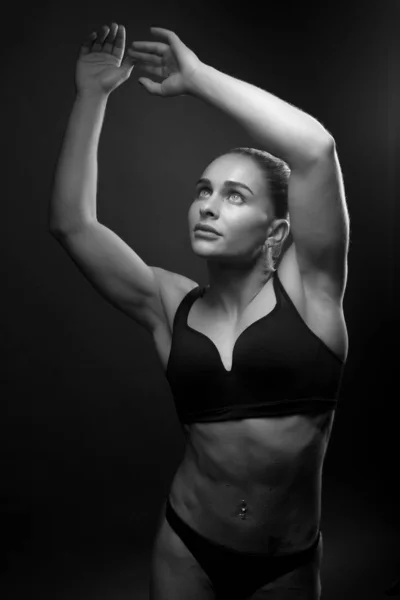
[279,367]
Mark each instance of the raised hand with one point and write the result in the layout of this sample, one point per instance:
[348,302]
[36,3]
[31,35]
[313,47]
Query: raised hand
[170,60]
[100,68]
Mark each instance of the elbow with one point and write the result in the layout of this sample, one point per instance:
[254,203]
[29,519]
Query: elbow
[314,151]
[326,145]
[320,148]
[74,224]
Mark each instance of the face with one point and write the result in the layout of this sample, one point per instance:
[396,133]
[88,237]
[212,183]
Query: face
[241,215]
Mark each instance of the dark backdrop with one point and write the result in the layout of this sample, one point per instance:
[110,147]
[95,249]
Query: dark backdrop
[89,437]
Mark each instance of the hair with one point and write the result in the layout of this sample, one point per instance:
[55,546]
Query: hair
[277,173]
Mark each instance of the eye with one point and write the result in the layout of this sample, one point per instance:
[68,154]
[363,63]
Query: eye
[202,190]
[233,193]
[237,194]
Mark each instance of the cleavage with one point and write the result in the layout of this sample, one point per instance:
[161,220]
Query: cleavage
[225,335]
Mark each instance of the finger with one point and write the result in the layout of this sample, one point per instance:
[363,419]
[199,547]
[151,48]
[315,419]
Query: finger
[109,41]
[157,69]
[151,86]
[128,64]
[143,57]
[98,45]
[119,44]
[166,34]
[155,47]
[87,44]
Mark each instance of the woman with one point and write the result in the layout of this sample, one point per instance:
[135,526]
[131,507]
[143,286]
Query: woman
[254,359]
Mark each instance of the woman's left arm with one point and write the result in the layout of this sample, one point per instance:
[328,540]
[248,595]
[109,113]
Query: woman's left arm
[317,207]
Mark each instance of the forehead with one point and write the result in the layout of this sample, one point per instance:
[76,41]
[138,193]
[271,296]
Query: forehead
[238,168]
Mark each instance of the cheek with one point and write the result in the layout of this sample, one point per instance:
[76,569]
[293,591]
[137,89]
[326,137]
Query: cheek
[242,228]
[246,235]
[191,214]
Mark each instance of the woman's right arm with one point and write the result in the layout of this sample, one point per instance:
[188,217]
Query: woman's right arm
[73,202]
[110,265]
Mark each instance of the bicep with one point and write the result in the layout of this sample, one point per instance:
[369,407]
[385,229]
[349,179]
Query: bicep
[116,271]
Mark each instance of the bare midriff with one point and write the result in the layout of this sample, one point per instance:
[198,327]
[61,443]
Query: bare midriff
[254,485]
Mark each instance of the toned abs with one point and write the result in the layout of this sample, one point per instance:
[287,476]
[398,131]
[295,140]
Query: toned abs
[254,484]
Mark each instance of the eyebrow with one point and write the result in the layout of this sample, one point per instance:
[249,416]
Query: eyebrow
[227,182]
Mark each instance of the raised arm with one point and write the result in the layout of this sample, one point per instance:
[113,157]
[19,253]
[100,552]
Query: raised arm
[319,219]
[110,265]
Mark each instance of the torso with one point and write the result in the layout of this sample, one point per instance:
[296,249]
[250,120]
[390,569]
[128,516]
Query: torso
[273,464]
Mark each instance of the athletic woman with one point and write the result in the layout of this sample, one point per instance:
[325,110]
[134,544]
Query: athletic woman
[255,358]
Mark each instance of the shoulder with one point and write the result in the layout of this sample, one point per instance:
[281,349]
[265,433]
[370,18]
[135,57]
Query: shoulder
[172,288]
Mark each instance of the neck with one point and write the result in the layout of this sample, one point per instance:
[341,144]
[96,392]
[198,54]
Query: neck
[231,288]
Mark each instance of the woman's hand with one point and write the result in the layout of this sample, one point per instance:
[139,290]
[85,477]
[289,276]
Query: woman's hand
[100,68]
[174,62]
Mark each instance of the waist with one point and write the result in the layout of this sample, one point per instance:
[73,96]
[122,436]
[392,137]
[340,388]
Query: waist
[271,519]
[254,484]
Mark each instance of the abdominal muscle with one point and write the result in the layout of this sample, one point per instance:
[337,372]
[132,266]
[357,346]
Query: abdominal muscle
[254,485]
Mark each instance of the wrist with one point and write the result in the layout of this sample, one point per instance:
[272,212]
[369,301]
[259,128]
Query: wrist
[197,78]
[93,96]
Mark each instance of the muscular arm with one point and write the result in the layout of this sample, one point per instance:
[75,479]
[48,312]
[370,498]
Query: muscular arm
[279,127]
[110,265]
[317,207]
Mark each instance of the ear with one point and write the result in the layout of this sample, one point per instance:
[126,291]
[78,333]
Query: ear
[278,232]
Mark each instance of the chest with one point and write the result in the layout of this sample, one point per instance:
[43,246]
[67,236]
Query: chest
[324,320]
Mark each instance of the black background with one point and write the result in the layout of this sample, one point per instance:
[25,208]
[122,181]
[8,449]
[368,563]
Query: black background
[89,437]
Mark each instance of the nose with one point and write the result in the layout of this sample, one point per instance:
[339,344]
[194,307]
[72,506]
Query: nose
[206,210]
[210,206]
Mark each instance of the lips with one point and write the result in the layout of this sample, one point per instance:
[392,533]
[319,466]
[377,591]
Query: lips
[206,228]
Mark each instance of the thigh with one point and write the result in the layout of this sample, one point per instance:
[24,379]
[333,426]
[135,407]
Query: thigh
[303,583]
[175,574]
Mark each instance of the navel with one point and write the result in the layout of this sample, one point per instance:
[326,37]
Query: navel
[243,510]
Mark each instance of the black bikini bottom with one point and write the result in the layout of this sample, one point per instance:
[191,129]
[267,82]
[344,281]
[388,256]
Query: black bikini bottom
[236,575]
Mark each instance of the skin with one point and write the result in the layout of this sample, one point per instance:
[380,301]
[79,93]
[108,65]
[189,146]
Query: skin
[273,464]
[246,222]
